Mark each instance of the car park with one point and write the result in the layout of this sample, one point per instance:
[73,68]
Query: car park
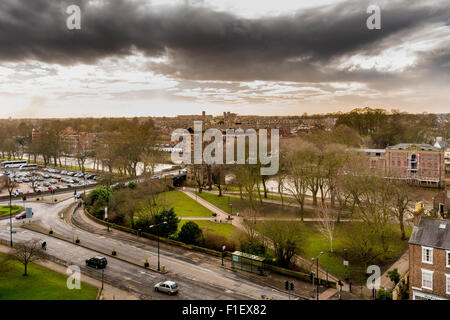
[168,287]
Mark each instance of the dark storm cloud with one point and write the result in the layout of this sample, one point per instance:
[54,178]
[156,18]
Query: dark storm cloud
[206,44]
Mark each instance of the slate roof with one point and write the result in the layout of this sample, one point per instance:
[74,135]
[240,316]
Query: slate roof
[430,234]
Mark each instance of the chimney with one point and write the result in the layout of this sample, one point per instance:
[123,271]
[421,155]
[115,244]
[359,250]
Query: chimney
[418,211]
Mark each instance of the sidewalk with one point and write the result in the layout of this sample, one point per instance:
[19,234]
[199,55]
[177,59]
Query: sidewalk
[108,293]
[402,265]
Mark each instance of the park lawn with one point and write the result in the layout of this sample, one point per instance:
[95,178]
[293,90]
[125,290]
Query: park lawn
[184,206]
[4,210]
[223,229]
[40,284]
[313,242]
[239,205]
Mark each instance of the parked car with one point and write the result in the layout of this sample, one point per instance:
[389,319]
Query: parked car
[97,262]
[46,184]
[168,287]
[23,215]
[51,188]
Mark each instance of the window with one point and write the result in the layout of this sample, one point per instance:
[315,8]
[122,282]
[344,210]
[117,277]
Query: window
[399,163]
[427,255]
[448,259]
[447,291]
[393,163]
[427,279]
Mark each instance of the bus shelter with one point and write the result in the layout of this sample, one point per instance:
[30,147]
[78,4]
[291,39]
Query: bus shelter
[247,262]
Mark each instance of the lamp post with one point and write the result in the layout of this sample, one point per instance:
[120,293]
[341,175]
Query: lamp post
[10,187]
[231,208]
[223,251]
[346,264]
[156,225]
[317,272]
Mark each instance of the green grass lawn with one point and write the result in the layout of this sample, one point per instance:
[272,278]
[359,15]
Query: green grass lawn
[184,206]
[4,210]
[313,242]
[40,284]
[223,229]
[239,205]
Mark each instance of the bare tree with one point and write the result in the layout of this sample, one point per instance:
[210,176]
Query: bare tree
[296,160]
[285,238]
[401,200]
[28,251]
[326,222]
[249,225]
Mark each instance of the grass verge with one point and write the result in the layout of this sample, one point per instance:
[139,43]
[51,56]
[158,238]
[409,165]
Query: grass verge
[40,284]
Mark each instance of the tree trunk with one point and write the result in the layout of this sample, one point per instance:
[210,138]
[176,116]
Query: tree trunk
[402,227]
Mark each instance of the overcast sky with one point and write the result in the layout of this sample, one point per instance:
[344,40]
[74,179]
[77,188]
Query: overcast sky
[265,57]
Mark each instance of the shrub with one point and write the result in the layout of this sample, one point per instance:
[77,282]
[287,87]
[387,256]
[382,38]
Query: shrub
[384,295]
[190,233]
[394,276]
[215,242]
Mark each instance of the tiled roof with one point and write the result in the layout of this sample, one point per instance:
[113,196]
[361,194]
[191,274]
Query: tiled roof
[433,233]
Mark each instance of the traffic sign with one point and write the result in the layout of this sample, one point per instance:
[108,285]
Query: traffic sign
[29,213]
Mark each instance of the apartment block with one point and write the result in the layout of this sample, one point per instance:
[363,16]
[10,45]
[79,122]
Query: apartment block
[420,163]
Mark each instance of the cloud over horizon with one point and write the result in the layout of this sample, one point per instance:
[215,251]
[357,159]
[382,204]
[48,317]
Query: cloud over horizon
[193,43]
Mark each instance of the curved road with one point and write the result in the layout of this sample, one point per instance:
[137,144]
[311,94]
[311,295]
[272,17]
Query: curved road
[197,278]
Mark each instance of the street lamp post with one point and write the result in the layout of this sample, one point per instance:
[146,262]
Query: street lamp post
[317,270]
[103,275]
[156,225]
[346,264]
[223,251]
[10,187]
[231,208]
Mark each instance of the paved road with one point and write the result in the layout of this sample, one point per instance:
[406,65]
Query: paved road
[197,278]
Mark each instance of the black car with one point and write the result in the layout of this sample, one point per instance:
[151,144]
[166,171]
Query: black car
[97,262]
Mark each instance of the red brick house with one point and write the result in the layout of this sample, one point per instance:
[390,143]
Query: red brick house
[429,259]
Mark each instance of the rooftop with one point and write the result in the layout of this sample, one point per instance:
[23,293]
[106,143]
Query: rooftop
[433,233]
[413,147]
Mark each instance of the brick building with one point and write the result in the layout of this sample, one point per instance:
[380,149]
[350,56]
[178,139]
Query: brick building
[420,163]
[441,203]
[376,158]
[429,259]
